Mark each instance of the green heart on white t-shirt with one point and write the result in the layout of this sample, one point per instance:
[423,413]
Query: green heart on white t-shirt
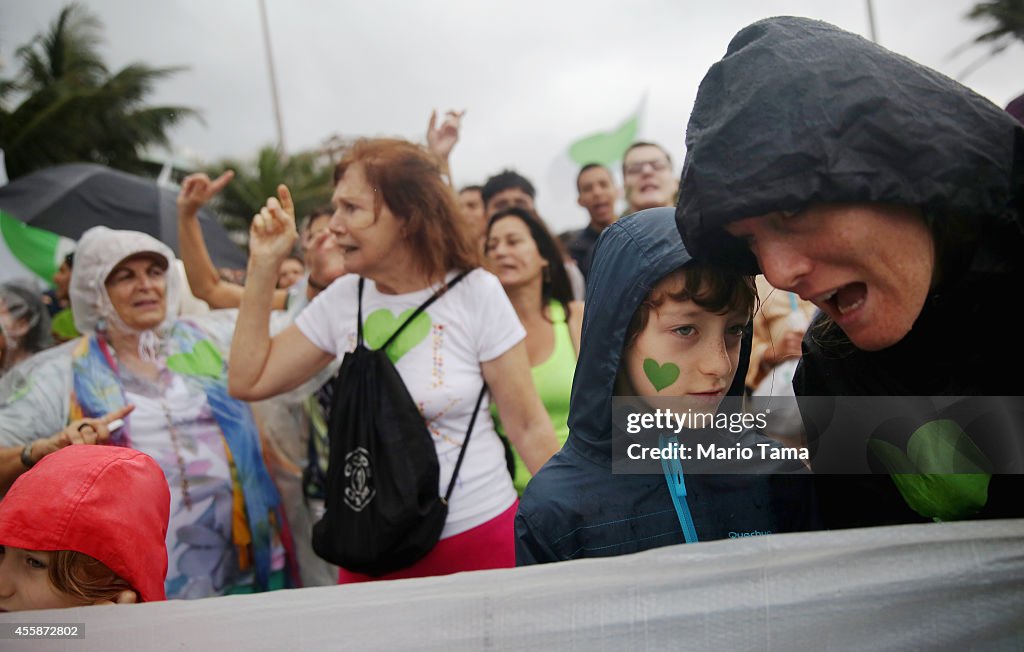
[380,324]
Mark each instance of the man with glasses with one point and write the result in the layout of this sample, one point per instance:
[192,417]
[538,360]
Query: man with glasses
[647,177]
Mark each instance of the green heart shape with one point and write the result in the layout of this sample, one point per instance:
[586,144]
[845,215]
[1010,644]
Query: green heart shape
[203,360]
[661,376]
[380,324]
[944,475]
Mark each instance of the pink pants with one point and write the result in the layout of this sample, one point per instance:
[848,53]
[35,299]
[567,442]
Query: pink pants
[488,545]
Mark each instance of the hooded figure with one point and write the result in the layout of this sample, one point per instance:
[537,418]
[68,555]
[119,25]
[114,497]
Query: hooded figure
[225,531]
[802,125]
[575,507]
[107,502]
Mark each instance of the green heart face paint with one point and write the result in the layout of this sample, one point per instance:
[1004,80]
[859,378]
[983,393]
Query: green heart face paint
[684,351]
[203,360]
[380,324]
[661,376]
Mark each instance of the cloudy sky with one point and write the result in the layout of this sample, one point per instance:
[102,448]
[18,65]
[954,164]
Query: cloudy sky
[533,75]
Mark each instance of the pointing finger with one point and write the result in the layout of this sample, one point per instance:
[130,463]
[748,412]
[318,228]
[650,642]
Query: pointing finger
[222,181]
[119,413]
[285,196]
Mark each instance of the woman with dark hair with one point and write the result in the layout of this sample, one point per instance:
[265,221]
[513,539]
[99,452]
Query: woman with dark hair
[399,226]
[528,262]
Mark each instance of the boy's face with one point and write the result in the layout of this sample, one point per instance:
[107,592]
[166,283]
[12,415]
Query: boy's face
[25,582]
[685,351]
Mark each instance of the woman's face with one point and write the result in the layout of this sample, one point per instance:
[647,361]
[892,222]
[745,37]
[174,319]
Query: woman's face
[62,279]
[290,273]
[370,244]
[25,582]
[137,288]
[869,267]
[512,253]
[11,328]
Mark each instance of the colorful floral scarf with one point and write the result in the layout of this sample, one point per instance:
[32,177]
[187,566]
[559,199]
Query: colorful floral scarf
[98,390]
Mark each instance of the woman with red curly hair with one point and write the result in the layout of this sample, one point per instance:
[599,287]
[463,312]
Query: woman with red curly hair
[397,222]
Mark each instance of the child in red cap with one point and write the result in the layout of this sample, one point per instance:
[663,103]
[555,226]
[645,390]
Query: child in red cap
[85,526]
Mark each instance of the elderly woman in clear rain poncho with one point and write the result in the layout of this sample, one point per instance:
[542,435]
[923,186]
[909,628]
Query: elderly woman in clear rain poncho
[143,378]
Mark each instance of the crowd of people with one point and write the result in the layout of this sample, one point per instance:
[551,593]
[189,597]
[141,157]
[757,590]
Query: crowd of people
[153,454]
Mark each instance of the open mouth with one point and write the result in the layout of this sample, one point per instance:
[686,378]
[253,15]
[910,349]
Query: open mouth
[843,300]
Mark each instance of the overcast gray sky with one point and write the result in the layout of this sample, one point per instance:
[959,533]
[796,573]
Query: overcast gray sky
[533,75]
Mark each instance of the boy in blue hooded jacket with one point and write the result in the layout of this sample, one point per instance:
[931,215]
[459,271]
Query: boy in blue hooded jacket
[654,326]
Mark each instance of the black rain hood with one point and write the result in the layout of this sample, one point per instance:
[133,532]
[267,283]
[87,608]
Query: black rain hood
[615,290]
[800,111]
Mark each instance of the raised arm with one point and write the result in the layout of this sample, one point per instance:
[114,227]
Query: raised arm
[522,413]
[441,140]
[196,191]
[261,366]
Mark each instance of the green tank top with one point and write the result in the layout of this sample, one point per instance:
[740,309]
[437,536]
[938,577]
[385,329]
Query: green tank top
[553,380]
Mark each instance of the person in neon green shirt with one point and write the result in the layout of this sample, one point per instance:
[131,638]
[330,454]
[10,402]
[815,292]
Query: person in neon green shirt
[524,256]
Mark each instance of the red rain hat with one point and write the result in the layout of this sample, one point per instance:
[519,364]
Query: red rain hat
[108,502]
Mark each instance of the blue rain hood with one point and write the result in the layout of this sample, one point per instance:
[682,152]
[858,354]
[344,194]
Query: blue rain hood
[635,253]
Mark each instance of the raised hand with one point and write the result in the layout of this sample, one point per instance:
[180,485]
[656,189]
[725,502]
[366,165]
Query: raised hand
[325,258]
[197,190]
[441,140]
[272,233]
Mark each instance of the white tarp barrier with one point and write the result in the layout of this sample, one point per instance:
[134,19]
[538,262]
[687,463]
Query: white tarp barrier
[952,586]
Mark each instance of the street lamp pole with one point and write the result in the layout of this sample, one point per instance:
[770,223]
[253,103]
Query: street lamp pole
[273,79]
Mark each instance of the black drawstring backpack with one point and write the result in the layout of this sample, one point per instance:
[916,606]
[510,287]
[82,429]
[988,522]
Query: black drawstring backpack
[383,511]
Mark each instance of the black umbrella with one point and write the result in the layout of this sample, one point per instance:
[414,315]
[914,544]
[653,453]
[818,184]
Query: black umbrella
[69,199]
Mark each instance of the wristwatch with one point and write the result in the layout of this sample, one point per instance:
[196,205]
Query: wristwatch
[26,455]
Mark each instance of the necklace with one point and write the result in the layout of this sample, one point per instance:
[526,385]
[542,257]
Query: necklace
[131,380]
[176,442]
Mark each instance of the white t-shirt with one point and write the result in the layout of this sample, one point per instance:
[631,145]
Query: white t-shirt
[439,361]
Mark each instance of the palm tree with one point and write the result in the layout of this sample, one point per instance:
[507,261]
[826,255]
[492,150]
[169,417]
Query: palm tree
[308,176]
[1006,19]
[72,108]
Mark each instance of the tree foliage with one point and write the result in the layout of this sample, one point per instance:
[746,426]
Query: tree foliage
[1006,25]
[65,105]
[308,176]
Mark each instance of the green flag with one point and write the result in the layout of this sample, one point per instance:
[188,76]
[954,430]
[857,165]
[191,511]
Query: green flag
[28,251]
[604,147]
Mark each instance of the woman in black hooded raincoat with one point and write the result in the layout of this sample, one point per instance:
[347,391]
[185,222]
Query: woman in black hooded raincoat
[890,196]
